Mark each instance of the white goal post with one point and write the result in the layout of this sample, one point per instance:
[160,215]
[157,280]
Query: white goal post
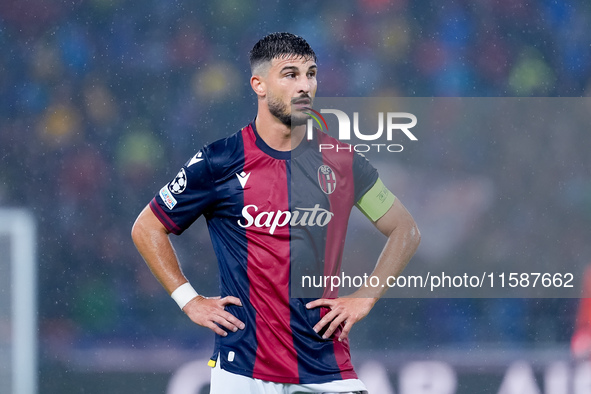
[18,302]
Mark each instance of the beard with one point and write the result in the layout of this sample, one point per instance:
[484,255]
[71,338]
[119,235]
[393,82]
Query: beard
[281,111]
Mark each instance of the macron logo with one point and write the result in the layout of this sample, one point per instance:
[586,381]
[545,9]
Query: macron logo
[195,159]
[243,178]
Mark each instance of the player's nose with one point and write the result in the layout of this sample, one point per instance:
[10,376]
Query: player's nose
[304,86]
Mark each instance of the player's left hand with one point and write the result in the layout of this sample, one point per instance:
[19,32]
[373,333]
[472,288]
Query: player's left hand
[345,309]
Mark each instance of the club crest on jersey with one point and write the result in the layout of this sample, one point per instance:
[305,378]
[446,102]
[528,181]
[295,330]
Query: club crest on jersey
[179,183]
[327,179]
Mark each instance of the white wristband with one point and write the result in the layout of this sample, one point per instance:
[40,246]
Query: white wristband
[183,294]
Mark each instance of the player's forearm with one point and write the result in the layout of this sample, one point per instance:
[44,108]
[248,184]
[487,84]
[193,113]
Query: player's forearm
[399,249]
[400,246]
[151,240]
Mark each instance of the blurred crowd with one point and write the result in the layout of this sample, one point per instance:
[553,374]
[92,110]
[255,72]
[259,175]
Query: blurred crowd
[102,101]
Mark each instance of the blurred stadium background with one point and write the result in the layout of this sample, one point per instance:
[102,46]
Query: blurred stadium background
[101,101]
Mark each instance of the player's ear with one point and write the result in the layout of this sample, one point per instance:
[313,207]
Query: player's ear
[257,83]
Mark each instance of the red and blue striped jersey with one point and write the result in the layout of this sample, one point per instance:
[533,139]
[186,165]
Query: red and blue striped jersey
[272,216]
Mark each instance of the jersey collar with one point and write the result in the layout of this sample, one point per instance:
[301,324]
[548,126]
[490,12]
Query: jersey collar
[277,154]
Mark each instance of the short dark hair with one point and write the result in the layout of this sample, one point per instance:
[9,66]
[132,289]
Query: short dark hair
[277,45]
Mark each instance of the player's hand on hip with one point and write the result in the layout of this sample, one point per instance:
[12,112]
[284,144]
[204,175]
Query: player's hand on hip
[209,312]
[346,309]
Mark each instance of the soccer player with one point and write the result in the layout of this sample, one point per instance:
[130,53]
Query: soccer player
[275,205]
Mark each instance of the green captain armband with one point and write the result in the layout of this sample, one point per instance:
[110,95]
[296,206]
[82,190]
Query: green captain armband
[376,202]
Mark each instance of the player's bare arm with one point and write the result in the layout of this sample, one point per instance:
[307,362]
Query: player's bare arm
[403,239]
[152,241]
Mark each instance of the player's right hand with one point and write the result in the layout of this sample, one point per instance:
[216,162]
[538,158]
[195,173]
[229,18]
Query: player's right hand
[209,312]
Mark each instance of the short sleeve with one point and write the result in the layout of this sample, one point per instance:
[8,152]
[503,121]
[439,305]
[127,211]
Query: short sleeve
[365,175]
[371,196]
[187,196]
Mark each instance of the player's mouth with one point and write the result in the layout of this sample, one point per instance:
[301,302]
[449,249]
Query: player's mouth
[302,102]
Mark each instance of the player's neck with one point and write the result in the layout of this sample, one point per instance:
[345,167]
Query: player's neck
[276,134]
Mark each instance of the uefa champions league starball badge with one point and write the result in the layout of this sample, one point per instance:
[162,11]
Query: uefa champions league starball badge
[178,185]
